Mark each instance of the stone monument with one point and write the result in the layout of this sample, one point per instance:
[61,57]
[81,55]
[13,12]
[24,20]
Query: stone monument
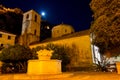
[44,65]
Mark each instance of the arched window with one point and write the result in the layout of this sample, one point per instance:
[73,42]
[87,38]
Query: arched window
[27,16]
[35,18]
[35,32]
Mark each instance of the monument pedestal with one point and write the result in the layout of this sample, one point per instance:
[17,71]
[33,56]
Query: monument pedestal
[44,67]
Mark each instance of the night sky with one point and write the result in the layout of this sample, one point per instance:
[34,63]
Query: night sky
[73,12]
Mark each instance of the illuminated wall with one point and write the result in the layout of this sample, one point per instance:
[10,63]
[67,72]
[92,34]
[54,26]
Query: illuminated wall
[30,28]
[7,38]
[61,30]
[31,21]
[82,48]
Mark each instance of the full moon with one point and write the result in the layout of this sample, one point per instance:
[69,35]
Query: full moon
[43,13]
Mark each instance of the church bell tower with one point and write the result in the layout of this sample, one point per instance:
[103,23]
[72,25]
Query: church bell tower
[30,28]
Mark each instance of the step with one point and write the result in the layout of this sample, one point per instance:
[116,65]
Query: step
[34,77]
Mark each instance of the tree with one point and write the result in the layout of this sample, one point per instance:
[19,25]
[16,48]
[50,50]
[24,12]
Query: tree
[105,28]
[60,53]
[17,56]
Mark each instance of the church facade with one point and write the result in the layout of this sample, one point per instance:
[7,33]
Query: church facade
[80,42]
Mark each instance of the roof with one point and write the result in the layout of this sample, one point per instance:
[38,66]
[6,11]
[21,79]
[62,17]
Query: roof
[3,31]
[63,25]
[76,34]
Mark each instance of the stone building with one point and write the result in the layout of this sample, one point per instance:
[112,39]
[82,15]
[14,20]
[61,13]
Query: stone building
[62,29]
[79,41]
[62,34]
[30,28]
[6,38]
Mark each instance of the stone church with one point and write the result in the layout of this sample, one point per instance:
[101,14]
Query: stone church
[62,34]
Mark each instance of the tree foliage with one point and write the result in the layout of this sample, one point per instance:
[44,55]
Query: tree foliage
[15,58]
[60,53]
[105,28]
[16,53]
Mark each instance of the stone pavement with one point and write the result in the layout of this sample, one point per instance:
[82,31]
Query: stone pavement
[64,76]
[93,76]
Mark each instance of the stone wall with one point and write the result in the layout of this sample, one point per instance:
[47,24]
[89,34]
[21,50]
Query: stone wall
[7,38]
[81,55]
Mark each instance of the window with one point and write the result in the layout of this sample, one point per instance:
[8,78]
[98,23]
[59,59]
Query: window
[35,18]
[2,45]
[9,37]
[0,35]
[65,30]
[35,32]
[27,16]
